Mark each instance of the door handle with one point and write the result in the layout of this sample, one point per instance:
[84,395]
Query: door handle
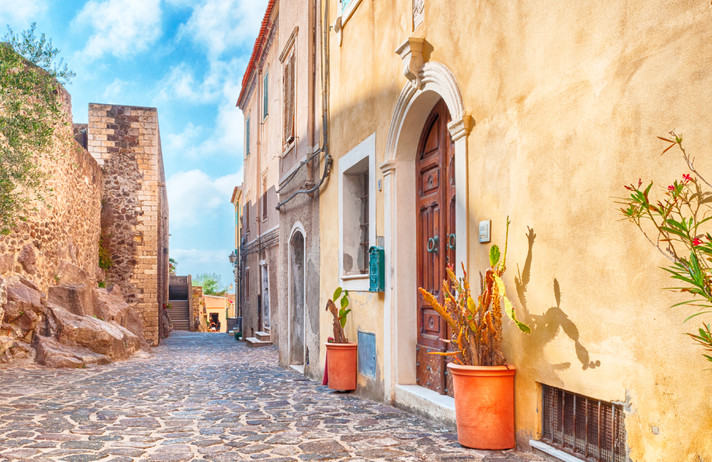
[433,244]
[451,241]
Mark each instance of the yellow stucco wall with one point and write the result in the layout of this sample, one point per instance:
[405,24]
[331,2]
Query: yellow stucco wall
[567,100]
[217,305]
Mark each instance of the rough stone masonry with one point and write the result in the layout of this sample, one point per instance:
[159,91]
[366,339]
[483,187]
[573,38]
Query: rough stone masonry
[126,142]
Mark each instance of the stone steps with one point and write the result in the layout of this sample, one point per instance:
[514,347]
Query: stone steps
[263,336]
[257,342]
[181,325]
[180,314]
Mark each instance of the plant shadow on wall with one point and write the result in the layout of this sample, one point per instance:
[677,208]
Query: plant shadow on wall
[546,327]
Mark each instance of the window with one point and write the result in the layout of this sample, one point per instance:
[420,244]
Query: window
[246,217]
[289,90]
[265,93]
[247,136]
[264,197]
[346,9]
[585,427]
[357,213]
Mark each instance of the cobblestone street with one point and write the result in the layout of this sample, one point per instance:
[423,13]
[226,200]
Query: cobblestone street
[207,397]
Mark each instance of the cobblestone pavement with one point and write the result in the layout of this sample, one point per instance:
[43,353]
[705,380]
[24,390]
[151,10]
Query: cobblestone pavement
[207,397]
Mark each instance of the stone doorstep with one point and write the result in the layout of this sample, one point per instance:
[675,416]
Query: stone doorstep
[254,342]
[264,336]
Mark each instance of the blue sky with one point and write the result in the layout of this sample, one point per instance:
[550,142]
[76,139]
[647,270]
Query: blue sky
[187,59]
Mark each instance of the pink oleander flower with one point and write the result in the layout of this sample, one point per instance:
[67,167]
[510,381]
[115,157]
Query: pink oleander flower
[696,242]
[671,188]
[686,177]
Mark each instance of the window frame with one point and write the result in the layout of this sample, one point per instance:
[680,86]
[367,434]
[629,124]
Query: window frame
[345,12]
[290,62]
[364,150]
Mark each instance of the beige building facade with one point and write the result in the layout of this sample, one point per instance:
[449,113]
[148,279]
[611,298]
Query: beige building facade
[445,117]
[263,145]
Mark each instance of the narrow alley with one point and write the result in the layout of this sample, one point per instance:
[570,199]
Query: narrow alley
[201,396]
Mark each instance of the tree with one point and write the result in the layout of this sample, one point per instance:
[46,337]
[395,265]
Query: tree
[31,75]
[172,265]
[211,284]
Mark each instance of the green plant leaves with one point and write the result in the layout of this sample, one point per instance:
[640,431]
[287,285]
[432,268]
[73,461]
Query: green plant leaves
[337,294]
[494,255]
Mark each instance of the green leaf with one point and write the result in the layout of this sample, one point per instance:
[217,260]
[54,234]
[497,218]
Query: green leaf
[337,293]
[342,316]
[344,302]
[509,309]
[494,255]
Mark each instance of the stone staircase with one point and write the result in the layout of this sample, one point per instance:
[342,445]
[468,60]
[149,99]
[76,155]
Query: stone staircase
[260,339]
[180,317]
[178,293]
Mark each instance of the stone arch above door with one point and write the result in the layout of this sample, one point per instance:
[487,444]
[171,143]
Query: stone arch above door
[428,83]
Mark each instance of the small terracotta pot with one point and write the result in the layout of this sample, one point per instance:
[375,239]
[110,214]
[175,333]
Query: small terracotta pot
[484,405]
[341,365]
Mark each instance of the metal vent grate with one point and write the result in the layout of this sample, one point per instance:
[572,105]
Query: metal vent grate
[584,427]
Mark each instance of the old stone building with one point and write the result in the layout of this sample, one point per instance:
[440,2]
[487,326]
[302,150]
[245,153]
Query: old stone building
[282,104]
[126,142]
[84,277]
[259,249]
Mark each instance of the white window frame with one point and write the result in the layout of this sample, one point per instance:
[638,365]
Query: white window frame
[365,149]
[347,12]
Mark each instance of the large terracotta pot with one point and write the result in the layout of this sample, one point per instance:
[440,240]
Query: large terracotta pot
[341,365]
[484,405]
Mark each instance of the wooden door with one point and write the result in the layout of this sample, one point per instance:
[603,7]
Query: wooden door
[435,241]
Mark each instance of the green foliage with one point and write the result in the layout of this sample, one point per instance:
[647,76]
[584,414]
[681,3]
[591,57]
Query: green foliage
[101,284]
[105,261]
[172,265]
[30,114]
[340,314]
[211,284]
[677,225]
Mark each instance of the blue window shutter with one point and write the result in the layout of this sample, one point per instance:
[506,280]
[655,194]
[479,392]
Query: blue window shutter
[266,99]
[344,4]
[247,137]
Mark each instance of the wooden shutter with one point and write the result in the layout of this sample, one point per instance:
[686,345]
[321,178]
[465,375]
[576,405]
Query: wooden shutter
[289,100]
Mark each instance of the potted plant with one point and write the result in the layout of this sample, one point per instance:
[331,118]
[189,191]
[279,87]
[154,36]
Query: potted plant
[483,382]
[341,355]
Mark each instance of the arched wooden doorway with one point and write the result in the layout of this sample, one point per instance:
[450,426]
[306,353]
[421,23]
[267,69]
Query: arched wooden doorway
[436,240]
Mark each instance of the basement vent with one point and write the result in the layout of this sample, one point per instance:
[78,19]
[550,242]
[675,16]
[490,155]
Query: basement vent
[584,427]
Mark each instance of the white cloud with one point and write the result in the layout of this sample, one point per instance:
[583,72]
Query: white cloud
[20,11]
[222,25]
[194,197]
[120,27]
[114,91]
[199,257]
[221,88]
[182,143]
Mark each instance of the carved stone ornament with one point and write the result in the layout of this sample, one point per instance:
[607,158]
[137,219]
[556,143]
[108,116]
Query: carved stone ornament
[411,52]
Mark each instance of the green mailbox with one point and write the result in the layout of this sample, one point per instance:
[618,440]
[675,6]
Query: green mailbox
[376,264]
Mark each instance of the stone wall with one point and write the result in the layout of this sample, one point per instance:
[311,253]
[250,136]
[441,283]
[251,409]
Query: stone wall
[125,140]
[198,312]
[64,228]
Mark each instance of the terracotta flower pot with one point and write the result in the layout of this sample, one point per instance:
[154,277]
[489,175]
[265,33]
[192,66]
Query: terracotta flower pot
[484,405]
[341,365]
